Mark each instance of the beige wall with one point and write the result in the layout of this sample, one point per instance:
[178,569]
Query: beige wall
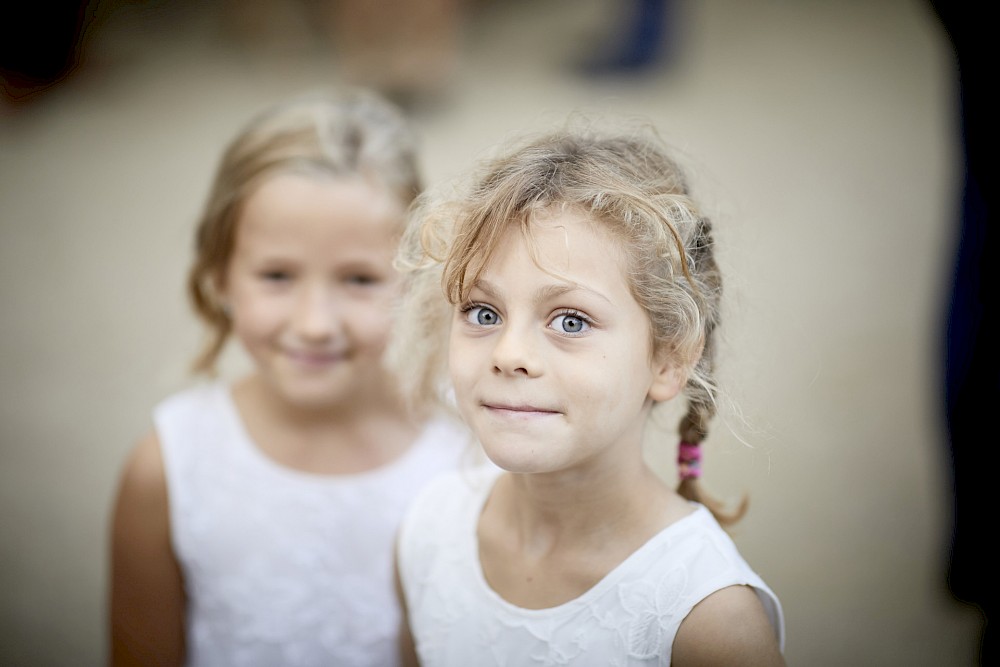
[822,134]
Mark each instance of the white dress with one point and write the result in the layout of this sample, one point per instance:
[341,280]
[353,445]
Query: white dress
[285,568]
[629,618]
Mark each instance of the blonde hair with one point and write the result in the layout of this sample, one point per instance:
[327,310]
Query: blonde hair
[630,185]
[355,132]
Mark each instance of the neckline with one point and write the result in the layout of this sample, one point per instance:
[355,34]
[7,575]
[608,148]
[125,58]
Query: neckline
[246,443]
[609,580]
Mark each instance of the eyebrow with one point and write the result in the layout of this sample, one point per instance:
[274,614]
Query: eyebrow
[543,294]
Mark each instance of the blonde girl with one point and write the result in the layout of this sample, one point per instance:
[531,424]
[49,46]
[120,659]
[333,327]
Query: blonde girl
[254,523]
[581,290]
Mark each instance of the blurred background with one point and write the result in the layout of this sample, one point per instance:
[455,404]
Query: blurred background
[823,136]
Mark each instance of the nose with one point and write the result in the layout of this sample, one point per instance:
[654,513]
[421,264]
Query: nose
[517,352]
[317,316]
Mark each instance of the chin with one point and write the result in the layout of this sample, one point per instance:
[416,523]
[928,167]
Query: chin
[317,397]
[519,458]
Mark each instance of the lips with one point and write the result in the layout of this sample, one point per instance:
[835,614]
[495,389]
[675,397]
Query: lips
[519,410]
[315,357]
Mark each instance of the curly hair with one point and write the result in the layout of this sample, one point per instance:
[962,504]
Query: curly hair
[630,184]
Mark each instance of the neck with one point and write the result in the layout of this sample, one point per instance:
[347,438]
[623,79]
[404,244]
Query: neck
[377,400]
[560,510]
[326,439]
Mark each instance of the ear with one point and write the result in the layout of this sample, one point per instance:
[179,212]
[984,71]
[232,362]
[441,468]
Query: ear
[216,284]
[669,379]
[217,281]
[671,368]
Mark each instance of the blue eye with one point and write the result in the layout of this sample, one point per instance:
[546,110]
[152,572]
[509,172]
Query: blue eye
[571,323]
[482,316]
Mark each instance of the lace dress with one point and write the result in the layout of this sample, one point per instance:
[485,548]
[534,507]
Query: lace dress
[285,568]
[629,618]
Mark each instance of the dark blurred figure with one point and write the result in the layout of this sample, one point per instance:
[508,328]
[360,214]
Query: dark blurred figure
[972,363]
[646,39]
[407,50]
[41,45]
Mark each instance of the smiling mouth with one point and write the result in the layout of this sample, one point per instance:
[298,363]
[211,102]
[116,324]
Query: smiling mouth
[316,358]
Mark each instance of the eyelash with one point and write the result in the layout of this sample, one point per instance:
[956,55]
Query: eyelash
[575,314]
[469,307]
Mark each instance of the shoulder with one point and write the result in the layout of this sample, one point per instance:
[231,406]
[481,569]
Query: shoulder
[711,556]
[719,589]
[142,476]
[142,506]
[729,627]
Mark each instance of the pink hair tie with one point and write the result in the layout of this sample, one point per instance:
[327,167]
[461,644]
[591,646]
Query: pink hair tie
[689,460]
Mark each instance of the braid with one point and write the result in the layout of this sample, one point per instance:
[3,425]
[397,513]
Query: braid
[693,427]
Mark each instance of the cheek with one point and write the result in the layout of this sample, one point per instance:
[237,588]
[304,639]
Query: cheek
[619,382]
[253,313]
[455,362]
[372,322]
[461,361]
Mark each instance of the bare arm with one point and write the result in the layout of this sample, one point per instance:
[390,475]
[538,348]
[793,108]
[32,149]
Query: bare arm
[147,590]
[407,650]
[728,628]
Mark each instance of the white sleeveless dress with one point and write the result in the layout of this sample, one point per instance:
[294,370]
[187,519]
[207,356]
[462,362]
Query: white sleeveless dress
[630,618]
[285,568]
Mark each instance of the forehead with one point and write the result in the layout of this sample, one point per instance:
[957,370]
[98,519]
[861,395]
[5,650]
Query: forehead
[565,238]
[568,246]
[313,208]
[317,223]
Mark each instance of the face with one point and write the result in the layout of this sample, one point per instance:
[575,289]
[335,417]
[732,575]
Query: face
[551,362]
[310,286]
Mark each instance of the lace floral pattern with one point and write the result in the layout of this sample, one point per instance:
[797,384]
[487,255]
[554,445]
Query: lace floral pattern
[285,568]
[629,619]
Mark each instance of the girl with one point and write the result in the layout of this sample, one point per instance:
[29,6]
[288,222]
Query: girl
[254,524]
[583,292]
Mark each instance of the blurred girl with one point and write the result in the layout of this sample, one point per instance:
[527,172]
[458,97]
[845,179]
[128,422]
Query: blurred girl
[583,291]
[254,523]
